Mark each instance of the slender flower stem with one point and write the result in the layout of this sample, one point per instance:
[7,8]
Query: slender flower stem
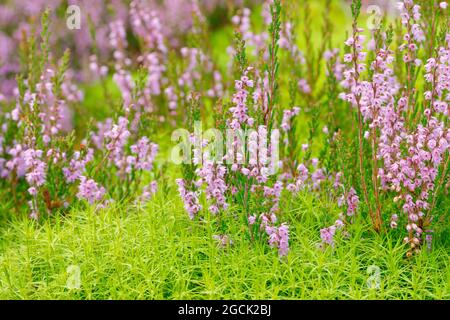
[360,127]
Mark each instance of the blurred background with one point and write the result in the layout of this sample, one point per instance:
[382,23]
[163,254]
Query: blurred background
[19,18]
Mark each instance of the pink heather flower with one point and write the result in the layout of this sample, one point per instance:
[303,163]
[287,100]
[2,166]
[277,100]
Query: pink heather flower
[443,5]
[145,154]
[96,70]
[190,76]
[304,86]
[213,176]
[337,183]
[77,165]
[418,34]
[32,191]
[283,239]
[239,109]
[287,116]
[317,178]
[339,223]
[99,137]
[190,199]
[252,219]
[124,81]
[278,236]
[90,190]
[394,219]
[253,40]
[146,23]
[36,168]
[149,191]
[355,66]
[156,70]
[173,99]
[116,139]
[352,202]
[300,182]
[16,163]
[334,66]
[327,235]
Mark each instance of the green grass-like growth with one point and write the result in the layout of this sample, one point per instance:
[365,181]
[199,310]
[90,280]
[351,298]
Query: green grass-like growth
[156,252]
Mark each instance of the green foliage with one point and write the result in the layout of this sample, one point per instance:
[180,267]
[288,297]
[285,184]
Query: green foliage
[240,58]
[356,9]
[272,65]
[157,253]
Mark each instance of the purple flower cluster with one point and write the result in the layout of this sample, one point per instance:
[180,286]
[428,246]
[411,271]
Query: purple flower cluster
[77,165]
[239,110]
[303,178]
[145,153]
[90,190]
[355,59]
[142,17]
[352,202]
[257,41]
[410,17]
[327,235]
[287,116]
[116,140]
[15,164]
[129,160]
[213,177]
[278,236]
[411,151]
[35,169]
[149,191]
[190,199]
